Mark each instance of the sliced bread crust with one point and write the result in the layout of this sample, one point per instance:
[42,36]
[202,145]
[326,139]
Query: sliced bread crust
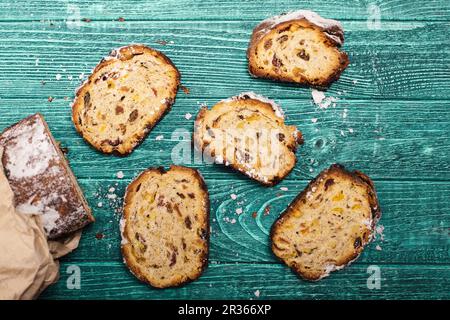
[328,224]
[41,179]
[248,133]
[165,226]
[299,47]
[124,98]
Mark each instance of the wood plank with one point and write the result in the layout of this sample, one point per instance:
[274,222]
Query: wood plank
[384,143]
[400,61]
[416,220]
[241,281]
[214,10]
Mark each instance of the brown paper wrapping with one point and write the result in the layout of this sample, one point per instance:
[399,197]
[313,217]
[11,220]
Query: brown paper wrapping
[28,262]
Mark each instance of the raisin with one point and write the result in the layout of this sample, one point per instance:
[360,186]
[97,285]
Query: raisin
[357,243]
[188,223]
[283,38]
[119,110]
[182,196]
[173,259]
[303,55]
[280,137]
[87,99]
[191,195]
[133,115]
[268,44]
[328,183]
[276,62]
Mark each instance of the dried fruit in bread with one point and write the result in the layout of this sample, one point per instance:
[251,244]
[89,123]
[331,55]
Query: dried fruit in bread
[165,226]
[299,47]
[328,225]
[124,98]
[248,133]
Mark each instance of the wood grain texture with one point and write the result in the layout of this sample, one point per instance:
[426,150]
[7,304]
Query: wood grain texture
[274,281]
[401,61]
[384,143]
[217,10]
[416,221]
[391,119]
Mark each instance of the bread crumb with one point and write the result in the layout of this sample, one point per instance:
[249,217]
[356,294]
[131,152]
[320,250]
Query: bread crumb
[188,116]
[257,293]
[233,196]
[317,96]
[378,248]
[120,175]
[58,77]
[314,120]
[350,130]
[100,204]
[112,189]
[239,210]
[284,189]
[160,137]
[233,221]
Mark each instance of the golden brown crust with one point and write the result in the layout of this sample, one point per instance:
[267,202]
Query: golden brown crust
[335,170]
[114,146]
[258,35]
[126,248]
[246,102]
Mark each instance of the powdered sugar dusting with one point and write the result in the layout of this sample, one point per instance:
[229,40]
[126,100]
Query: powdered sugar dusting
[29,155]
[312,17]
[252,95]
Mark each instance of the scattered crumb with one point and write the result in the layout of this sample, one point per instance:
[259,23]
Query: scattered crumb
[81,76]
[233,196]
[58,77]
[314,120]
[378,248]
[112,196]
[344,114]
[120,175]
[284,189]
[321,101]
[239,210]
[160,137]
[69,77]
[350,130]
[36,63]
[185,89]
[257,293]
[50,99]
[355,81]
[99,236]
[267,210]
[317,96]
[188,116]
[161,42]
[233,221]
[111,190]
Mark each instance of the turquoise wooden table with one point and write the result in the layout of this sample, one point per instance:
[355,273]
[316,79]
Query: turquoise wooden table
[389,117]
